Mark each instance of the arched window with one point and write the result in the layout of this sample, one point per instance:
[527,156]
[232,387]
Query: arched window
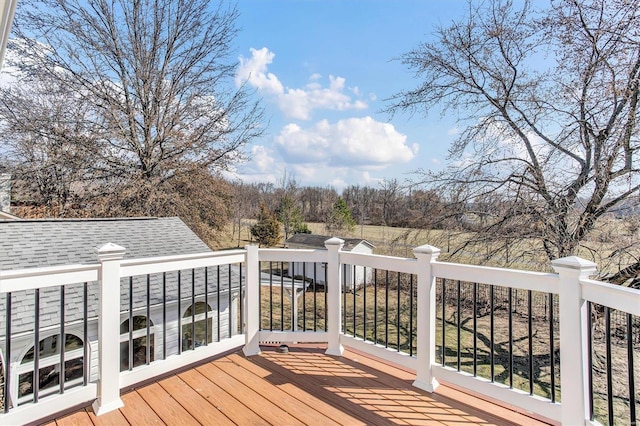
[203,327]
[49,365]
[139,343]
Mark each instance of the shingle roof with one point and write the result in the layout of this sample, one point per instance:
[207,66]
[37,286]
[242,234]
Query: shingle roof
[317,241]
[44,242]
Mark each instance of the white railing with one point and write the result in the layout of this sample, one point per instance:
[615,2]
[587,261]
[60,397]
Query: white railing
[102,363]
[570,283]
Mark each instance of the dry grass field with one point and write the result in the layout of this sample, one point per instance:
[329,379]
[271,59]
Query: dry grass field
[604,248]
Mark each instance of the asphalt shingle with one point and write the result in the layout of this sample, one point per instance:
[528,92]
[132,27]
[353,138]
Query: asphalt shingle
[45,242]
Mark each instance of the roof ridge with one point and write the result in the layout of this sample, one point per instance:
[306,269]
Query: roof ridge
[88,219]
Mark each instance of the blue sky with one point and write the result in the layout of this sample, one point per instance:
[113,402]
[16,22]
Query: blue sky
[323,69]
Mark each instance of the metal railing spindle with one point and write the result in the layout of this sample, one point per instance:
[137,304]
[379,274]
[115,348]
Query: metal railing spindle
[85,334]
[36,346]
[607,338]
[444,326]
[193,308]
[270,296]
[411,301]
[529,310]
[218,334]
[130,323]
[355,307]
[398,314]
[241,313]
[63,341]
[475,329]
[294,314]
[552,349]
[630,371]
[492,332]
[229,305]
[386,310]
[281,297]
[326,327]
[206,305]
[180,312]
[375,306]
[7,354]
[344,299]
[589,359]
[315,297]
[459,323]
[164,315]
[304,296]
[510,292]
[148,348]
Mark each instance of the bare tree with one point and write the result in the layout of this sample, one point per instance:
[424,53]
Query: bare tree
[46,132]
[157,75]
[550,103]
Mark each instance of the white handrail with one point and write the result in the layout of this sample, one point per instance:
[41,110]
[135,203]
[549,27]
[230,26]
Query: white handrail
[31,278]
[525,280]
[292,255]
[153,265]
[611,295]
[389,263]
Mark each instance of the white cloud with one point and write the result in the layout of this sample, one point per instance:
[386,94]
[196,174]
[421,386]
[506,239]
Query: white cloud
[262,159]
[361,142]
[262,167]
[296,103]
[254,70]
[299,103]
[335,154]
[453,131]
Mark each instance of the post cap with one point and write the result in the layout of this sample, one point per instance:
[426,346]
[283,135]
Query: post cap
[426,249]
[575,263]
[334,241]
[110,251]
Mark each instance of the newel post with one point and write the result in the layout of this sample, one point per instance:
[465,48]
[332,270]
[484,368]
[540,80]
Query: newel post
[251,320]
[573,338]
[334,290]
[108,399]
[426,313]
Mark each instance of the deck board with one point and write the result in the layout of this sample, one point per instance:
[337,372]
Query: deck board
[137,411]
[191,401]
[165,406]
[79,418]
[304,386]
[221,400]
[244,393]
[302,412]
[284,383]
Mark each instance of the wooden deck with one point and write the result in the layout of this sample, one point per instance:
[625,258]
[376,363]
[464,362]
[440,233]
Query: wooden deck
[301,387]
